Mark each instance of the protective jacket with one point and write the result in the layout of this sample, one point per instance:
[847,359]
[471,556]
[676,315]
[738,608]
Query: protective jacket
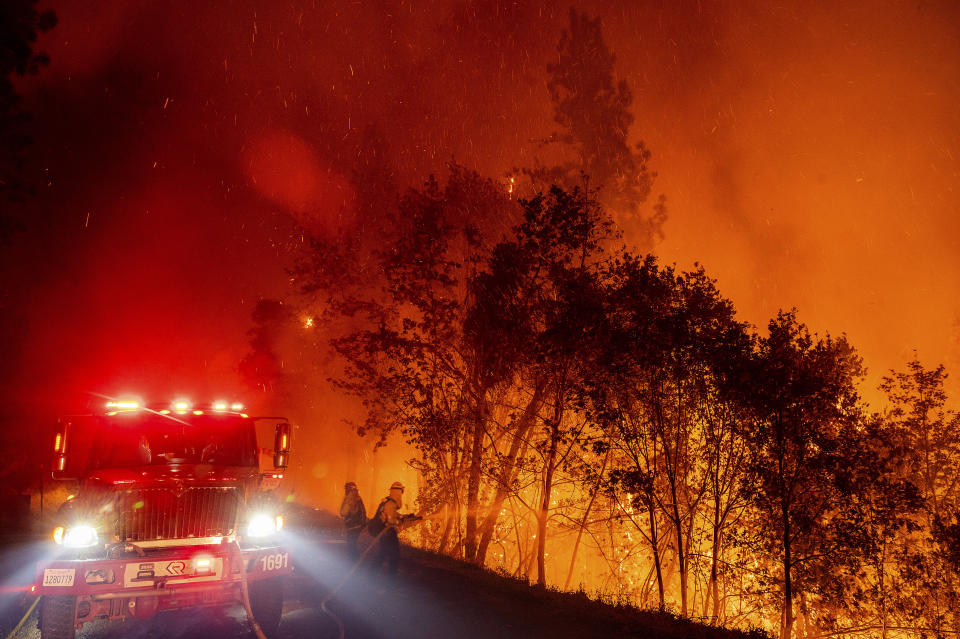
[387,516]
[352,511]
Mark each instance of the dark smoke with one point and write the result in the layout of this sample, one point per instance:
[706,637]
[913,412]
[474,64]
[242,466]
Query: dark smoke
[184,150]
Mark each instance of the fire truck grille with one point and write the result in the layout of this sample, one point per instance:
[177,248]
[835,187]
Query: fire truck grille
[162,513]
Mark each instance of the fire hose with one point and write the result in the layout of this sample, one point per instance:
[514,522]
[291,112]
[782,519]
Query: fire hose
[245,591]
[346,578]
[27,614]
[245,595]
[343,582]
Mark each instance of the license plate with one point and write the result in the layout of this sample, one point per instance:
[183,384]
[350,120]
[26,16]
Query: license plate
[58,576]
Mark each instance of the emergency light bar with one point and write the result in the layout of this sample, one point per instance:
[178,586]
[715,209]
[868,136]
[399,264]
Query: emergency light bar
[178,406]
[127,404]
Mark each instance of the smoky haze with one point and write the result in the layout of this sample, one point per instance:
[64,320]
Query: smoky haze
[808,152]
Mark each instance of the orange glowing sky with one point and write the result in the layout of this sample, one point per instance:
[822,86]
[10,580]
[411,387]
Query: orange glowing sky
[808,150]
[811,156]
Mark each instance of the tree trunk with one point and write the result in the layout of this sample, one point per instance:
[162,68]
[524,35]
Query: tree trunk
[508,473]
[531,558]
[545,503]
[681,558]
[458,527]
[787,586]
[655,546]
[805,615]
[583,522]
[712,586]
[447,525]
[671,461]
[883,592]
[713,589]
[473,484]
[645,588]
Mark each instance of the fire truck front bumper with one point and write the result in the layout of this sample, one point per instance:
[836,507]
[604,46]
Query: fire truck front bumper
[141,586]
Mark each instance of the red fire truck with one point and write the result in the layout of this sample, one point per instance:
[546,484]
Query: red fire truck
[175,508]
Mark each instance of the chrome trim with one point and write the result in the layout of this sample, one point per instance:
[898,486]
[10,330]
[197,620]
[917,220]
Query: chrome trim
[189,541]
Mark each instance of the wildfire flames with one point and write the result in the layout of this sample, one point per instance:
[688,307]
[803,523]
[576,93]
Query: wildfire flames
[450,225]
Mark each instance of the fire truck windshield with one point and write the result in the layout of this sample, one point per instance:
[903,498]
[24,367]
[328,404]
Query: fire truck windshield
[147,439]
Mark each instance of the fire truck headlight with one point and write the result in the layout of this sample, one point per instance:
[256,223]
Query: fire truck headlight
[81,536]
[262,525]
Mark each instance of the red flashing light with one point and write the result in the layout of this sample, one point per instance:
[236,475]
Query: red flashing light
[126,404]
[57,442]
[220,406]
[181,406]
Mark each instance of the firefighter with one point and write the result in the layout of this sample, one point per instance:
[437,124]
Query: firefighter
[354,516]
[385,525]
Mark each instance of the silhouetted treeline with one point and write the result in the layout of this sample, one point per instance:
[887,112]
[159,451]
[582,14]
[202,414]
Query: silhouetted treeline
[586,416]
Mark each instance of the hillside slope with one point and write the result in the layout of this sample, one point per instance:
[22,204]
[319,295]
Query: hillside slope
[436,596]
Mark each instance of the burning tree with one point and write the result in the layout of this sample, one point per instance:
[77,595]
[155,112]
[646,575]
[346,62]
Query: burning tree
[409,358]
[670,333]
[924,439]
[593,111]
[805,416]
[554,385]
[560,244]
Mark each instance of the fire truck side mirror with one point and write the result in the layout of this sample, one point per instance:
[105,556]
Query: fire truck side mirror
[281,446]
[72,446]
[58,463]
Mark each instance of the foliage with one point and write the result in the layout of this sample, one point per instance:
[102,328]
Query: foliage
[584,415]
[593,112]
[568,399]
[926,437]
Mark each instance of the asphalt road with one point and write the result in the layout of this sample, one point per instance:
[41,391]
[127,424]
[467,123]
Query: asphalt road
[302,615]
[422,601]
